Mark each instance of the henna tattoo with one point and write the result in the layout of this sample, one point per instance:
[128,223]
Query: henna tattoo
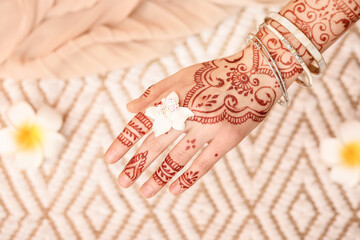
[127,137]
[157,104]
[166,171]
[244,88]
[210,107]
[124,140]
[144,120]
[188,179]
[130,133]
[134,131]
[137,128]
[191,144]
[350,8]
[286,63]
[147,92]
[323,21]
[242,83]
[136,165]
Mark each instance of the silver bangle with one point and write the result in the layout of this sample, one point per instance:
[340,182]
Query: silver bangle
[293,51]
[303,39]
[284,100]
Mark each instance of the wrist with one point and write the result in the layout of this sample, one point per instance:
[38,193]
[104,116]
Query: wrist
[284,59]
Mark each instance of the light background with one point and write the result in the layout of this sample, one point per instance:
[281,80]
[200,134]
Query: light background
[272,186]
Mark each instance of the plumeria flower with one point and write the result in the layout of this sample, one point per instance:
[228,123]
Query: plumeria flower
[30,137]
[168,114]
[342,154]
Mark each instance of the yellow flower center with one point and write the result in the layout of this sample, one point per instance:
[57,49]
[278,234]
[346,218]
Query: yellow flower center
[29,136]
[351,154]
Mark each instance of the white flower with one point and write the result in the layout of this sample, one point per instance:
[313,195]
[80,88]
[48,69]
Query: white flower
[30,137]
[168,114]
[342,154]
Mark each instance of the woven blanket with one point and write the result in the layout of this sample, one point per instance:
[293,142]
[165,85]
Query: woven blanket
[273,185]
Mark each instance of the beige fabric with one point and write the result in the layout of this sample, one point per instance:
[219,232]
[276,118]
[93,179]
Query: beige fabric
[272,186]
[66,38]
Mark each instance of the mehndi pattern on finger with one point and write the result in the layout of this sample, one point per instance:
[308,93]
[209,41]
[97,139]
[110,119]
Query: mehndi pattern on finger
[166,171]
[147,92]
[188,179]
[136,165]
[144,120]
[124,140]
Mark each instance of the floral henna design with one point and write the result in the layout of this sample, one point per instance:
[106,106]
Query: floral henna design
[188,179]
[166,171]
[136,165]
[244,88]
[137,128]
[240,79]
[224,95]
[191,144]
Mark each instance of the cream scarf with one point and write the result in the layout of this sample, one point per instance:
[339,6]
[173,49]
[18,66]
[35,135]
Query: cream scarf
[67,38]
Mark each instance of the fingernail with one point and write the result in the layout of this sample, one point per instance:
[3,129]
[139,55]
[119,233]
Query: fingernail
[147,191]
[124,181]
[108,156]
[176,190]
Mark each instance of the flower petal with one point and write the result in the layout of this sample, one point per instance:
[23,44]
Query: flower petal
[330,151]
[179,117]
[183,113]
[178,125]
[161,125]
[20,113]
[28,159]
[53,144]
[7,140]
[350,131]
[152,112]
[174,96]
[49,118]
[345,175]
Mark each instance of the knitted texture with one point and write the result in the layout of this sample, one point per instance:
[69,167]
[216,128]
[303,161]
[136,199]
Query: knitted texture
[273,185]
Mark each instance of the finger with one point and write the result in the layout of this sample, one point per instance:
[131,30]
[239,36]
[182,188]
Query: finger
[201,165]
[149,150]
[177,158]
[136,128]
[151,93]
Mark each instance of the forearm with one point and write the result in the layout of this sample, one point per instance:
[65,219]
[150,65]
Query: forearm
[322,21]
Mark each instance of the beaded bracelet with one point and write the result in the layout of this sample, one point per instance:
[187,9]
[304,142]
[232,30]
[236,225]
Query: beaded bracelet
[284,100]
[293,51]
[299,35]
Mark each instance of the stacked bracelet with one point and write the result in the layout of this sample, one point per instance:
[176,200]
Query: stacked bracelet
[310,47]
[293,51]
[299,35]
[284,100]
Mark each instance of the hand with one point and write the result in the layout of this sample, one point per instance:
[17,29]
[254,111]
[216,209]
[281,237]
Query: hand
[229,97]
